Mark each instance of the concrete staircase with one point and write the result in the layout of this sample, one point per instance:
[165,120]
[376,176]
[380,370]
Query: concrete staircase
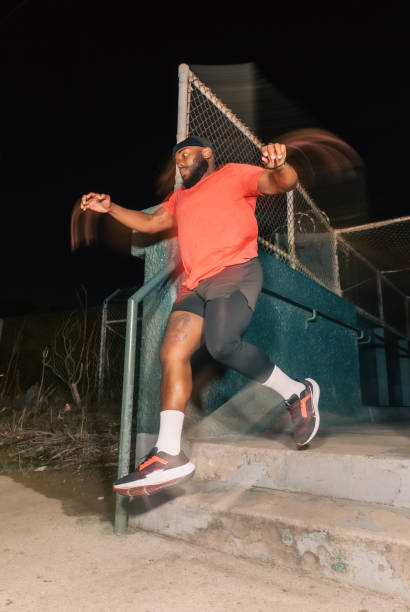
[338,510]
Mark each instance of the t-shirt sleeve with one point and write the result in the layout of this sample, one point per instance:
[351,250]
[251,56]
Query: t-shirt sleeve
[249,176]
[169,204]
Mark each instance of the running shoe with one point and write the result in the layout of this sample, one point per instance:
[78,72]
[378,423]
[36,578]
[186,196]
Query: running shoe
[304,412]
[156,471]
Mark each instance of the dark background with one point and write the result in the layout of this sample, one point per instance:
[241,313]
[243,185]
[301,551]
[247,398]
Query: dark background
[89,102]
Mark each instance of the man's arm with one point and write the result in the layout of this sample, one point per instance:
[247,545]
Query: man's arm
[278,176]
[159,221]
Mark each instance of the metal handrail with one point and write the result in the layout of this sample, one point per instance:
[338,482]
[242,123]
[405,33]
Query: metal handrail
[360,331]
[121,504]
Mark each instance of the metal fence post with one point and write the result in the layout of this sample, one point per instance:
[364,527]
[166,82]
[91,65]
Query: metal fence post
[103,345]
[101,361]
[182,119]
[291,227]
[183,72]
[336,271]
[380,296]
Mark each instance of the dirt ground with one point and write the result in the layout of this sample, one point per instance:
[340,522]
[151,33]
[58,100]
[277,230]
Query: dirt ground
[58,553]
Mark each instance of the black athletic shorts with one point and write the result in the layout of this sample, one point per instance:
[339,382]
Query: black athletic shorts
[245,277]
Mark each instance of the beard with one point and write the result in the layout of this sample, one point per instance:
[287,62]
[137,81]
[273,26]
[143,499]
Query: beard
[198,170]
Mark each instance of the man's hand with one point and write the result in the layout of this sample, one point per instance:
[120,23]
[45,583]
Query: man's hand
[273,155]
[98,202]
[278,176]
[159,221]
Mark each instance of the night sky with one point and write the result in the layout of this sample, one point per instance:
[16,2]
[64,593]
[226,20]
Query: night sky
[89,102]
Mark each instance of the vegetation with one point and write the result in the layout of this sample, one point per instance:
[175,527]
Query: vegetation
[56,420]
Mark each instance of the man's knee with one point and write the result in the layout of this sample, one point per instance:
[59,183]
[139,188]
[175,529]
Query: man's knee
[166,354]
[222,351]
[170,355]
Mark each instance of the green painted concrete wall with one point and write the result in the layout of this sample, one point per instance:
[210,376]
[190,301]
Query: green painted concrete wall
[384,366]
[322,349]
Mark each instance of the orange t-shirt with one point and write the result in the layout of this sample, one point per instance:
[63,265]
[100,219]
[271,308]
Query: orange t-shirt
[216,221]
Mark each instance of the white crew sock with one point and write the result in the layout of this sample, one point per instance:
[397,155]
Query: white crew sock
[170,430]
[282,384]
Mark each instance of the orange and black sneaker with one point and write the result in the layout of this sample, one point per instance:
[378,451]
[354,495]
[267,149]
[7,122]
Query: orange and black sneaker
[156,471]
[304,412]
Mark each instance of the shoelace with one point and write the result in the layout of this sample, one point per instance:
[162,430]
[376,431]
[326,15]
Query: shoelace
[297,407]
[145,458]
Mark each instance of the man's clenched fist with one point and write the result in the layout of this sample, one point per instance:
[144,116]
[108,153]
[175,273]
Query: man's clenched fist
[98,202]
[273,155]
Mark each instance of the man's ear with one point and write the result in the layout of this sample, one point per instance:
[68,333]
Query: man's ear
[206,153]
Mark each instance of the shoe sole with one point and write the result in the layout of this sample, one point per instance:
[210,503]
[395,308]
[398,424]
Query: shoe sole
[160,482]
[151,489]
[315,391]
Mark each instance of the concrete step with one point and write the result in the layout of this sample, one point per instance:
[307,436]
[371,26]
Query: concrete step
[364,462]
[339,509]
[357,544]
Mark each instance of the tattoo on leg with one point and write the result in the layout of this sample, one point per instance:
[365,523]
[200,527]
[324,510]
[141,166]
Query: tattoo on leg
[177,328]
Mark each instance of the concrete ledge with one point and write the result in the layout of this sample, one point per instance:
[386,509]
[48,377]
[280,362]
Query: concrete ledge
[367,464]
[355,544]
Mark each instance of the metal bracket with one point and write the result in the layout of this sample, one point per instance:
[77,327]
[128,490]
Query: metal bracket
[313,318]
[361,336]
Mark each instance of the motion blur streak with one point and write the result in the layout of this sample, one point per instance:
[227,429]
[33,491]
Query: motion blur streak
[83,226]
[90,227]
[320,156]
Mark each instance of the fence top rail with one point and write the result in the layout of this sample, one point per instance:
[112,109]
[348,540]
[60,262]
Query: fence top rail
[374,224]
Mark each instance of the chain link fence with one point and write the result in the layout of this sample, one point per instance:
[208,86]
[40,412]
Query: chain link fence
[112,343]
[360,266]
[290,225]
[385,245]
[72,357]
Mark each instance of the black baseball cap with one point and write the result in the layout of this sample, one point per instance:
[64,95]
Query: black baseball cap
[192,141]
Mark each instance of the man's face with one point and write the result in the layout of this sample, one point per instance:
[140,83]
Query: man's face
[191,165]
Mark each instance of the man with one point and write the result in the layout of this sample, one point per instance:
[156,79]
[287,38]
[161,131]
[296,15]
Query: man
[214,212]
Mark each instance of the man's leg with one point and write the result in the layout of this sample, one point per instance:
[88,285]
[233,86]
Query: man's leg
[226,320]
[166,464]
[183,337]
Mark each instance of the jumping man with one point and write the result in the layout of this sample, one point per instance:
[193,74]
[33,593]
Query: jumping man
[214,212]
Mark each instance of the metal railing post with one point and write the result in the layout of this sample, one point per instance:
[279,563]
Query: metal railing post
[121,508]
[121,514]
